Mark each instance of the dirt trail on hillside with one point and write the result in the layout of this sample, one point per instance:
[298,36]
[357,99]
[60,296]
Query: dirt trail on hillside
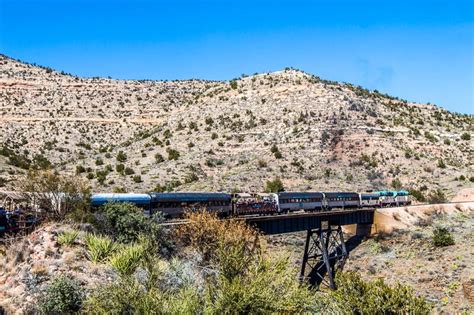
[80,119]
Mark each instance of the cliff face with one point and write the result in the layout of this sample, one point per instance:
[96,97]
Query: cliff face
[232,135]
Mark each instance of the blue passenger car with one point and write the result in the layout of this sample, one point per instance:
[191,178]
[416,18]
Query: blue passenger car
[175,204]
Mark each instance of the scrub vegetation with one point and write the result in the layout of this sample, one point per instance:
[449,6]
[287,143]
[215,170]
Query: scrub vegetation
[208,266]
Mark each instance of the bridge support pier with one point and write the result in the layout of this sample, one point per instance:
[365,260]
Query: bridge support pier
[325,253]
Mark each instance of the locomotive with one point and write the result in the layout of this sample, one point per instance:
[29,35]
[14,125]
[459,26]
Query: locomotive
[224,204]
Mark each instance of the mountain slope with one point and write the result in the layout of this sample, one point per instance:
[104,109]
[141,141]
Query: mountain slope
[211,135]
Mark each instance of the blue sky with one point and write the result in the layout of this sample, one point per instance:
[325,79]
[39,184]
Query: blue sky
[418,50]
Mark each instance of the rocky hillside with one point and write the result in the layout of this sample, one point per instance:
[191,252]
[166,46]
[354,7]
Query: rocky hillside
[226,135]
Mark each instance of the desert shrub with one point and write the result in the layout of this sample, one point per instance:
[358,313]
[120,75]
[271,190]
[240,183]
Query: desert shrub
[67,238]
[274,186]
[121,156]
[129,171]
[233,84]
[276,152]
[128,258]
[80,169]
[131,297]
[159,158]
[125,223]
[269,287]
[63,295]
[214,136]
[99,248]
[437,196]
[119,168]
[417,194]
[466,136]
[396,184]
[209,235]
[430,136]
[442,237]
[356,296]
[441,164]
[172,154]
[137,179]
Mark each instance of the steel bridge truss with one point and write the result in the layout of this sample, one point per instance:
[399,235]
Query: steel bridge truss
[325,253]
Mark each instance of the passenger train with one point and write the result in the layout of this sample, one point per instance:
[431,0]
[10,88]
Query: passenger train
[176,203]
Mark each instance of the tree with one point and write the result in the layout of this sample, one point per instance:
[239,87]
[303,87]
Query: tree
[55,194]
[274,186]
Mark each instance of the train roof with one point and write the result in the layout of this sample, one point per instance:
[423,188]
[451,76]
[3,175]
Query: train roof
[190,196]
[386,193]
[340,194]
[298,194]
[99,199]
[366,196]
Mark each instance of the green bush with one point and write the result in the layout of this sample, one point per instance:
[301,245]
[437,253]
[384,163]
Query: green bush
[125,223]
[417,194]
[159,158]
[99,248]
[172,154]
[121,156]
[63,295]
[120,168]
[356,296]
[129,171]
[137,179]
[441,164]
[466,136]
[131,297]
[67,238]
[437,196]
[80,169]
[442,237]
[397,184]
[127,259]
[274,186]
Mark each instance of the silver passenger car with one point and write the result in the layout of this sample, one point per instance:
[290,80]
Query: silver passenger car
[294,201]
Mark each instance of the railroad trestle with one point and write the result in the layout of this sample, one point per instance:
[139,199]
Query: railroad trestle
[325,253]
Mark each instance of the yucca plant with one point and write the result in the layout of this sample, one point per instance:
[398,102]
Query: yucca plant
[67,238]
[99,248]
[127,259]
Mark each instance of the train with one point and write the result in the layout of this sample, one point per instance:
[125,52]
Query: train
[174,204]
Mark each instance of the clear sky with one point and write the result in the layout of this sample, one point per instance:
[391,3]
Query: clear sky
[419,50]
